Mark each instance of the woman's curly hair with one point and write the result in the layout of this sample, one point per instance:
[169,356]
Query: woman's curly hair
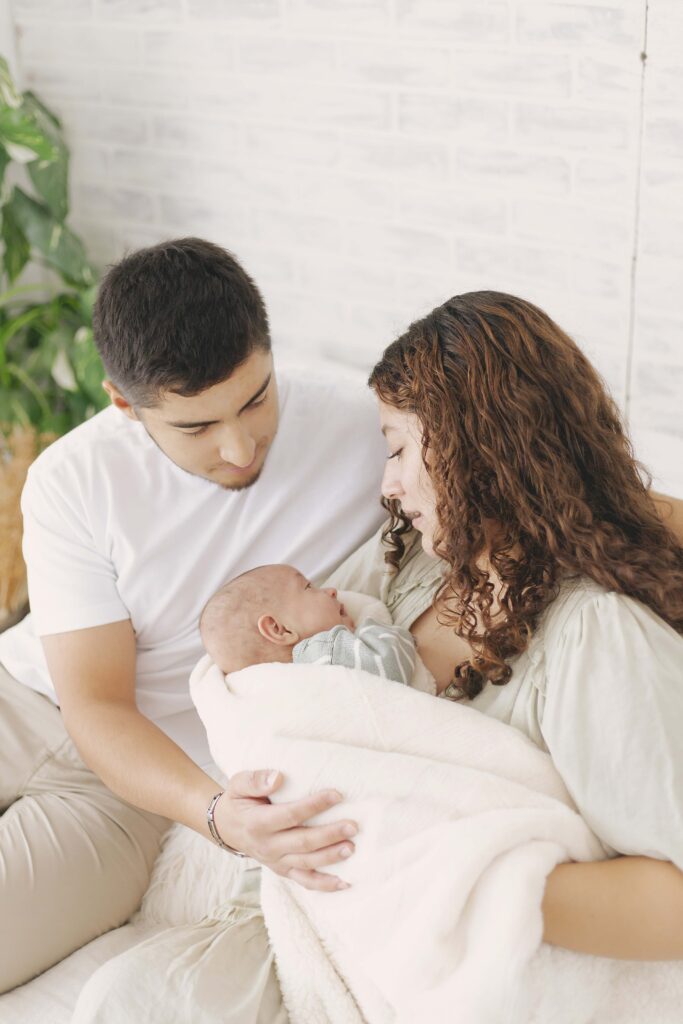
[532,471]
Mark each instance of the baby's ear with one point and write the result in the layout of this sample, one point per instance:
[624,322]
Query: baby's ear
[275,632]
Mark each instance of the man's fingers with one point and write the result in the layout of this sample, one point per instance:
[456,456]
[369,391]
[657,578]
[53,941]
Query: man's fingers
[319,858]
[297,812]
[316,880]
[254,784]
[302,841]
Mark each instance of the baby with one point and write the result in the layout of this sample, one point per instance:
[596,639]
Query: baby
[274,613]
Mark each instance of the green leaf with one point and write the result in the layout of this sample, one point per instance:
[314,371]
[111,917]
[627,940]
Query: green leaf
[51,182]
[50,177]
[13,294]
[43,114]
[4,161]
[87,367]
[20,374]
[17,248]
[19,128]
[10,329]
[8,93]
[60,247]
[86,302]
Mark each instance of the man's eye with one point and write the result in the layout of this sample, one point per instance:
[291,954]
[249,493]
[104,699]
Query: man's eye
[395,455]
[194,433]
[256,402]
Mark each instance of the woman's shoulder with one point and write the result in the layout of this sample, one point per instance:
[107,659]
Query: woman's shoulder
[611,715]
[586,612]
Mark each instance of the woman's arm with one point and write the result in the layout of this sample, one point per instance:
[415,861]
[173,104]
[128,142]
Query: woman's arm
[630,908]
[670,512]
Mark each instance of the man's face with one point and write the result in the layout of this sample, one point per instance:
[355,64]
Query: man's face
[222,434]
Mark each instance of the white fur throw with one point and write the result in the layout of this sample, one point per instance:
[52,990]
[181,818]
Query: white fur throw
[461,819]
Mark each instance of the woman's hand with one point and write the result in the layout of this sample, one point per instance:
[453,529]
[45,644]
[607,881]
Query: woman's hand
[630,908]
[276,834]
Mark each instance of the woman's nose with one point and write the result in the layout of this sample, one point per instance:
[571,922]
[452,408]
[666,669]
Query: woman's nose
[237,447]
[391,484]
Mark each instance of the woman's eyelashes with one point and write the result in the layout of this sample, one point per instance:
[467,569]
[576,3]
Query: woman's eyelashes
[394,455]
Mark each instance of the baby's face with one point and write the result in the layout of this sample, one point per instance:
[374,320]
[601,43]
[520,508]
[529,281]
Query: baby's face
[307,609]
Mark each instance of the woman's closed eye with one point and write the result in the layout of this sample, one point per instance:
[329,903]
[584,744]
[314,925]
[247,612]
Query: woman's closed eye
[394,455]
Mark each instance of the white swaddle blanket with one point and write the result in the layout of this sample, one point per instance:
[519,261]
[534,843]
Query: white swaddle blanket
[461,818]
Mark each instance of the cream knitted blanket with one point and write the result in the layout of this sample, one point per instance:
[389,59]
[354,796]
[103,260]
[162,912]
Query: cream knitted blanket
[461,819]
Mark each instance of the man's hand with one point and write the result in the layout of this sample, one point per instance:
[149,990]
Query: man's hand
[275,834]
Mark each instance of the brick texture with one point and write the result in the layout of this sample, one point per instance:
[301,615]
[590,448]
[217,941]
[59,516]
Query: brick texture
[368,158]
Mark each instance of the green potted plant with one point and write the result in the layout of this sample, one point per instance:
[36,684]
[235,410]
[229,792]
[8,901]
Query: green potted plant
[50,373]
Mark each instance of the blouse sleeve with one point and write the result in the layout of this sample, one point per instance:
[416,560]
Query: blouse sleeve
[613,723]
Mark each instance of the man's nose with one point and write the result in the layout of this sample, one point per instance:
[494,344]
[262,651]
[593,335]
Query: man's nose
[237,447]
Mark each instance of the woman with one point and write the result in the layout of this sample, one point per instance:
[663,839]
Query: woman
[558,602]
[532,567]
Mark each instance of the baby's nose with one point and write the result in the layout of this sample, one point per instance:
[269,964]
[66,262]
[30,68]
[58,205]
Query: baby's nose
[331,591]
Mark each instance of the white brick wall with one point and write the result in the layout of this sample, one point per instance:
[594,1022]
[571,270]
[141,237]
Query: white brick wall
[368,158]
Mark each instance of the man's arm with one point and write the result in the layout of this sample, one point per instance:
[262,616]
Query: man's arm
[93,671]
[629,908]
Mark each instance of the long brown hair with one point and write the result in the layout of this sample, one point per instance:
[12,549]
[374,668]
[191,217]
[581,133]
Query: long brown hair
[532,471]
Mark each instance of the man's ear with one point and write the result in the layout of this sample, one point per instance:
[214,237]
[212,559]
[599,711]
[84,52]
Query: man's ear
[118,400]
[274,631]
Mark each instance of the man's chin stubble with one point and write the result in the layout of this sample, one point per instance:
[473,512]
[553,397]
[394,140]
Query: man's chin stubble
[237,487]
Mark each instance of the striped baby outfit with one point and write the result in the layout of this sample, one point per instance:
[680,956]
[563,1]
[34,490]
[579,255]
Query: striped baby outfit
[386,651]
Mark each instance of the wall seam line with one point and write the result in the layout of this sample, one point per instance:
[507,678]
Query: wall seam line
[628,383]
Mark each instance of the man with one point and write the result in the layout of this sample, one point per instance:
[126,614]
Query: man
[204,466]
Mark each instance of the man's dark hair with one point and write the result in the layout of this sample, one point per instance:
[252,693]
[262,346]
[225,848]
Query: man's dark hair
[180,316]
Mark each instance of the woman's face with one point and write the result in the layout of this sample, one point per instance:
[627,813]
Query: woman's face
[406,478]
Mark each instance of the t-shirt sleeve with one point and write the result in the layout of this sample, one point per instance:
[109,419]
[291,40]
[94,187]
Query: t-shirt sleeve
[613,723]
[71,583]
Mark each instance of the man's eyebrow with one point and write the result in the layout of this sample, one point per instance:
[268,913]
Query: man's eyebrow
[210,423]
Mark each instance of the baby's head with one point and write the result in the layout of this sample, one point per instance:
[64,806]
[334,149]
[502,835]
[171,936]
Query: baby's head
[260,616]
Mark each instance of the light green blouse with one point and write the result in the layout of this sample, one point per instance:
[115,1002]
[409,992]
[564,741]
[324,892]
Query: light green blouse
[600,688]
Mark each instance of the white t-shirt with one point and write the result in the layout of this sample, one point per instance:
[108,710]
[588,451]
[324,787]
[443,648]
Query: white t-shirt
[113,529]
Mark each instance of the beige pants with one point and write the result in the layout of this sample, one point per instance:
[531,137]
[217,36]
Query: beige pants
[218,971]
[75,860]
